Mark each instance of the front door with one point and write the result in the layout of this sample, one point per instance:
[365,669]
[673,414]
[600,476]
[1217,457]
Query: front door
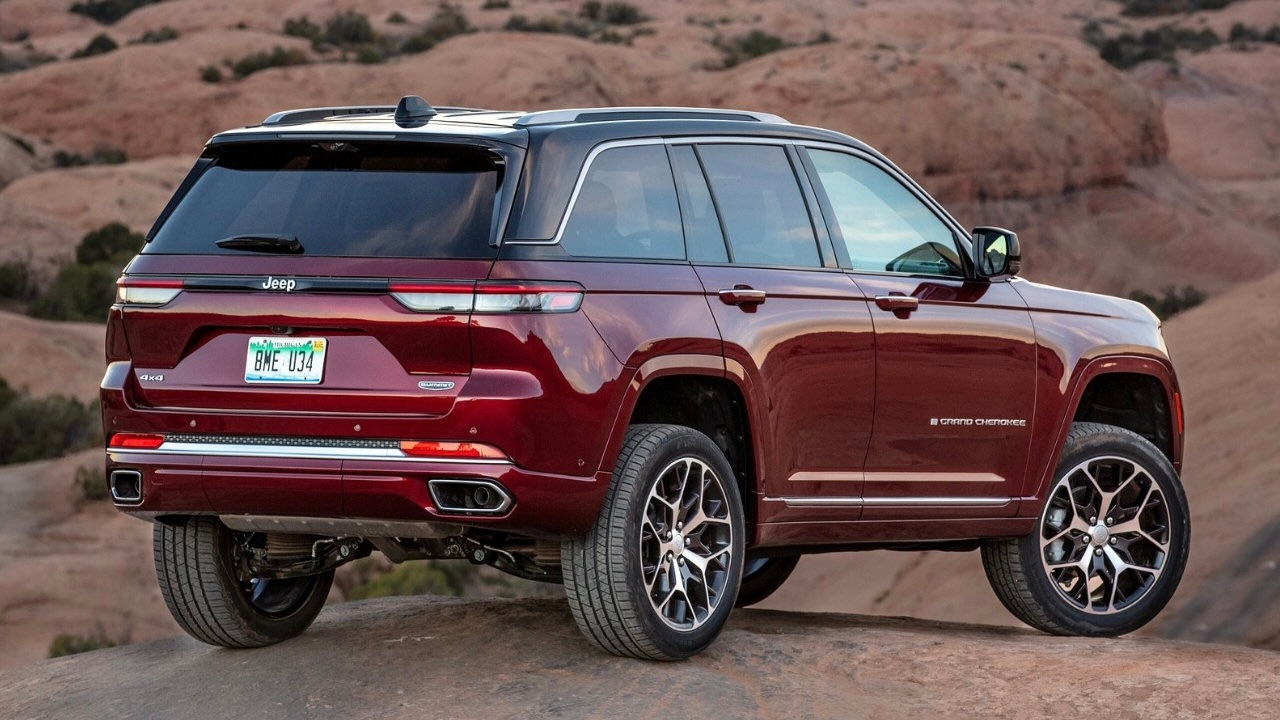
[955,357]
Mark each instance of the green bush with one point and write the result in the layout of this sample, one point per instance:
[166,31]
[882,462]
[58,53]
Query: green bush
[555,26]
[752,45]
[155,37]
[446,23]
[348,28]
[210,74]
[396,18]
[113,241]
[15,281]
[90,483]
[496,5]
[65,644]
[278,57]
[303,28]
[415,578]
[101,44]
[1145,8]
[1171,301]
[80,293]
[46,427]
[1127,50]
[7,394]
[109,11]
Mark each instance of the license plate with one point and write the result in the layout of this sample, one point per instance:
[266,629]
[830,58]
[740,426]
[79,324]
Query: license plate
[298,361]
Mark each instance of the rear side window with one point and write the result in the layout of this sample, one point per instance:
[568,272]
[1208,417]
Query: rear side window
[341,199]
[626,208]
[701,225]
[760,203]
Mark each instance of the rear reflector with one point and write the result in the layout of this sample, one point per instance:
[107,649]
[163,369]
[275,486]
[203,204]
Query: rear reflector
[146,291]
[429,448]
[136,441]
[489,297]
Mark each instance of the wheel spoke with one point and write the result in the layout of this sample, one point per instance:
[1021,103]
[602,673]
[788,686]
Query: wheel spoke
[685,546]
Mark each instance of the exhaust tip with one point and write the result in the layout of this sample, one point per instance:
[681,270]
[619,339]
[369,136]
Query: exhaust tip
[469,497]
[126,487]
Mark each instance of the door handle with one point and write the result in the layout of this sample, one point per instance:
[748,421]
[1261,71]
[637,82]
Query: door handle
[742,295]
[897,303]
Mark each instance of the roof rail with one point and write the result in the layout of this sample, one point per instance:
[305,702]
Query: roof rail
[304,115]
[582,115]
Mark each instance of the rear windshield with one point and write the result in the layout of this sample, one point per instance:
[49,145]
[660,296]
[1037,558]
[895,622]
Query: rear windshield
[341,199]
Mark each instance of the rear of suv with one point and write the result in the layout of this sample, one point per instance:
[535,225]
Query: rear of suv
[654,354]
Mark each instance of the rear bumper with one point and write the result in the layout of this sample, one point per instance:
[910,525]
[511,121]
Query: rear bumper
[370,488]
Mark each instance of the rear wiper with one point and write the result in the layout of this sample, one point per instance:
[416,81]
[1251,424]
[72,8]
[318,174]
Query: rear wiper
[264,243]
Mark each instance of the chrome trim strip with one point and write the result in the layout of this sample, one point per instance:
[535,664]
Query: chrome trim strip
[299,453]
[815,476]
[893,501]
[917,477]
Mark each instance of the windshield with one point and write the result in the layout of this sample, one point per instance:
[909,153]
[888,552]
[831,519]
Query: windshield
[340,199]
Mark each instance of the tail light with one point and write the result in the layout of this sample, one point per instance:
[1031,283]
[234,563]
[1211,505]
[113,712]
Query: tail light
[135,441]
[464,450]
[489,297]
[148,292]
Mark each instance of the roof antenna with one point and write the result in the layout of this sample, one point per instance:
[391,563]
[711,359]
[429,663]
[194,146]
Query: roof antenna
[413,111]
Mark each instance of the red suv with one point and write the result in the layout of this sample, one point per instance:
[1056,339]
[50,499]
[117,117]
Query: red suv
[654,354]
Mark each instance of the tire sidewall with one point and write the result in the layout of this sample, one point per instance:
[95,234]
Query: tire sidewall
[1110,441]
[689,444]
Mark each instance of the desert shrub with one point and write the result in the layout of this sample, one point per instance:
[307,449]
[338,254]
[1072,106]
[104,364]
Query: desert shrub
[1241,33]
[496,5]
[369,55]
[155,37]
[1144,8]
[1126,50]
[101,155]
[446,23]
[1171,300]
[46,427]
[551,25]
[278,57]
[396,18]
[210,74]
[80,293]
[67,644]
[613,13]
[303,28]
[101,44]
[15,280]
[348,28]
[746,47]
[109,11]
[90,483]
[373,577]
[114,242]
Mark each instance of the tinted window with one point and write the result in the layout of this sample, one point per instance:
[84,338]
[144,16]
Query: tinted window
[626,207]
[884,226]
[344,199]
[760,203]
[701,225]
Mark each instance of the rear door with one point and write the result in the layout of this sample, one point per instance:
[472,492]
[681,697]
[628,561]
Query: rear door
[795,331]
[955,357]
[315,277]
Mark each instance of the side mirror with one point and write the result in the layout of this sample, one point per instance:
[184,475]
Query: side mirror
[996,252]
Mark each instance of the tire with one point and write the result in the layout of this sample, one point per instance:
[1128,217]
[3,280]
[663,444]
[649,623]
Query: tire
[1098,565]
[196,566]
[762,576]
[626,582]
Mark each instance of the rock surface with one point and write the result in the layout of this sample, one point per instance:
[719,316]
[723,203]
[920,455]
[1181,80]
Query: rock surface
[432,658]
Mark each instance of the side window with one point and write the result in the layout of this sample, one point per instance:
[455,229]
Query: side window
[626,207]
[701,224]
[884,226]
[760,204]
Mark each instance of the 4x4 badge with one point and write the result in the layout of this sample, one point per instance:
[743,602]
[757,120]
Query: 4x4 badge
[435,385]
